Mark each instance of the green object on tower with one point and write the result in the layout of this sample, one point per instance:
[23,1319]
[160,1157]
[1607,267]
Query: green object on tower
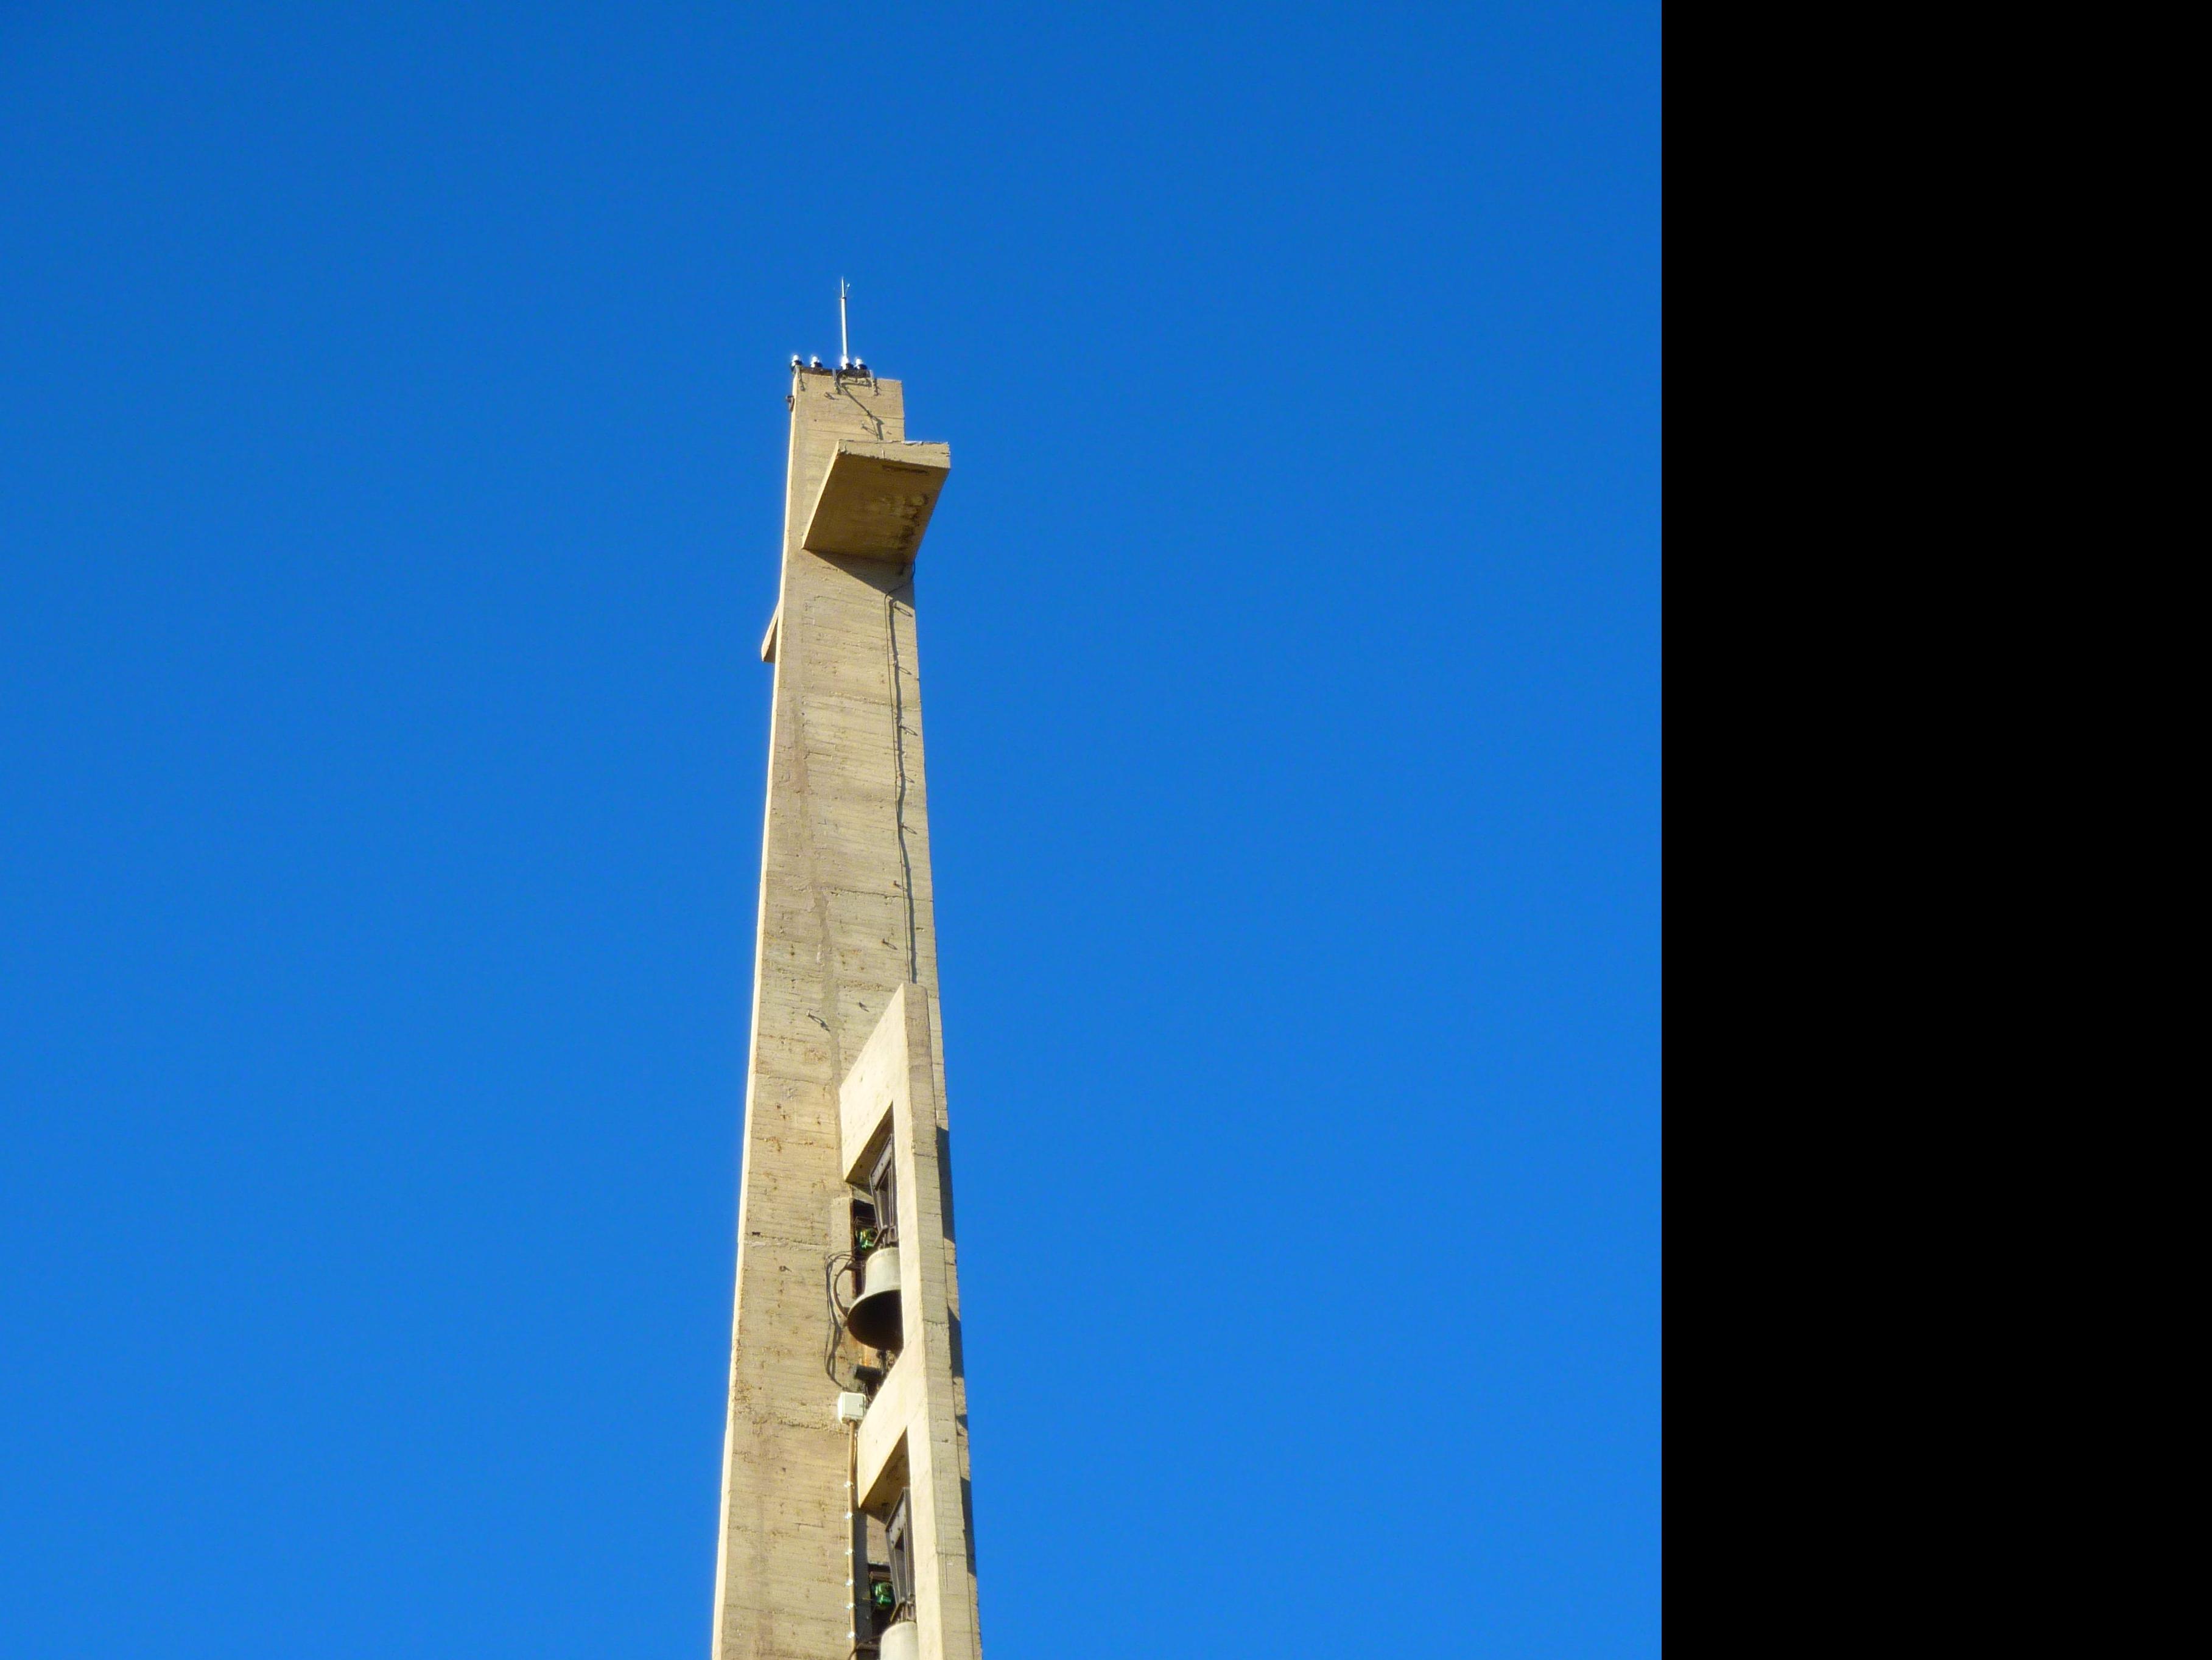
[883,1596]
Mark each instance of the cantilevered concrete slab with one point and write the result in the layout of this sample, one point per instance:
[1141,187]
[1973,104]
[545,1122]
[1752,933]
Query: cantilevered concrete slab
[876,499]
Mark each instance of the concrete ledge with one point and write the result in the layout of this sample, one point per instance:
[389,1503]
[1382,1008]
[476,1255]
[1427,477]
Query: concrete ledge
[884,1433]
[876,499]
[865,1100]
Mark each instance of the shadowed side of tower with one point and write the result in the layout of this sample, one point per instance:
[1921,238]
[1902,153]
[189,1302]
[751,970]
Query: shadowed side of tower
[837,1536]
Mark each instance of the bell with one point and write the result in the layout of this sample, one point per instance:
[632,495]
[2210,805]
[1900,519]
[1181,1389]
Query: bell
[875,1320]
[901,1642]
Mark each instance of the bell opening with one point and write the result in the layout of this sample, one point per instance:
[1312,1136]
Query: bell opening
[897,1636]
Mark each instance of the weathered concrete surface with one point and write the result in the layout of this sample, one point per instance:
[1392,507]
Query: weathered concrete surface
[846,935]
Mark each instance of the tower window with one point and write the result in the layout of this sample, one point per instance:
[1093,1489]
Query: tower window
[900,1535]
[882,1191]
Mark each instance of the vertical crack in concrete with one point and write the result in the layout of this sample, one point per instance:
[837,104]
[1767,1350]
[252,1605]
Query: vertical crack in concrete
[898,758]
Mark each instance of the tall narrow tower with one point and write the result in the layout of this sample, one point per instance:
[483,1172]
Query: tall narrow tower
[845,1524]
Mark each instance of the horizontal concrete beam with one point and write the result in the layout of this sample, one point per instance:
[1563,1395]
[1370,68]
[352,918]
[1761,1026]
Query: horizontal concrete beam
[876,499]
[877,1080]
[898,1404]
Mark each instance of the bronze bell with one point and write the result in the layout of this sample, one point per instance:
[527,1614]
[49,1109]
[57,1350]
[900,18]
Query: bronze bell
[876,1319]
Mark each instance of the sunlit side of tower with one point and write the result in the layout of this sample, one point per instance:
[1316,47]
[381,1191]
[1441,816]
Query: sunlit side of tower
[845,1518]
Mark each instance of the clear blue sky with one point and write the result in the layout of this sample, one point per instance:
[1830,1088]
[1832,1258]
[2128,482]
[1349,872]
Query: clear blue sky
[391,459]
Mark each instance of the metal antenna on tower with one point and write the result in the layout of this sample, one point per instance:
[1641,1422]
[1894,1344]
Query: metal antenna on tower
[844,329]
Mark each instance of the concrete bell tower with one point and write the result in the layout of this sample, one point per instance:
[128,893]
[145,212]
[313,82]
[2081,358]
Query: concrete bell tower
[845,1520]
